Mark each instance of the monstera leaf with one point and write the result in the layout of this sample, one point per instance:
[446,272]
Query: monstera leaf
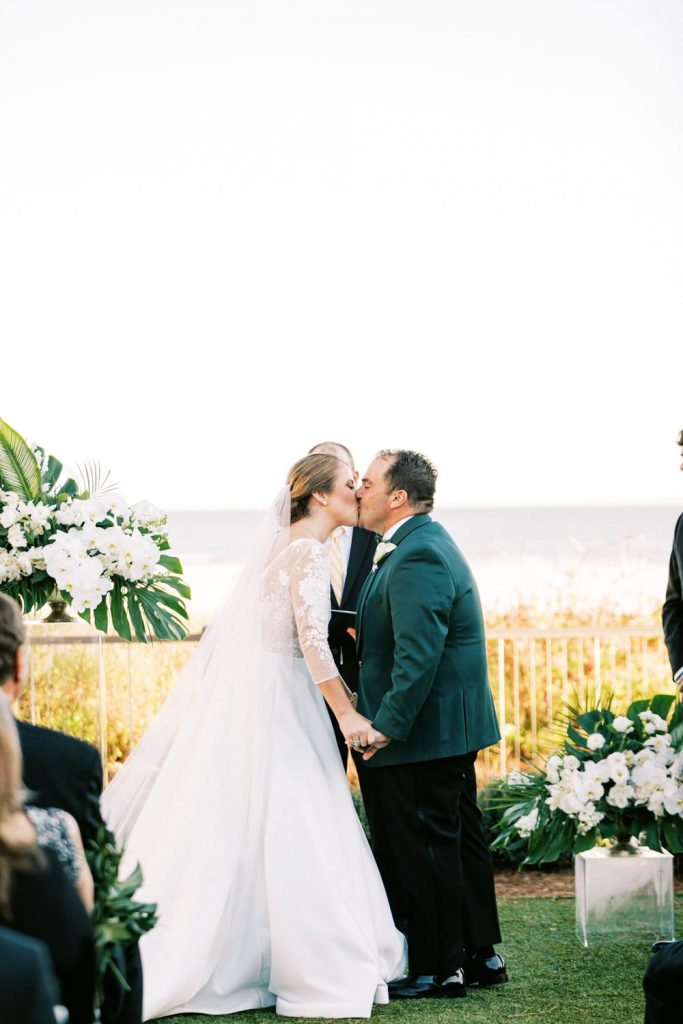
[19,469]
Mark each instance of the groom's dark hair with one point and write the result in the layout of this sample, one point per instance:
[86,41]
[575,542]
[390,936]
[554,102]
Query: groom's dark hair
[413,473]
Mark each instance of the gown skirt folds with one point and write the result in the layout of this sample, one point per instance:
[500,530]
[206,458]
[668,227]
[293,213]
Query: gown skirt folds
[268,892]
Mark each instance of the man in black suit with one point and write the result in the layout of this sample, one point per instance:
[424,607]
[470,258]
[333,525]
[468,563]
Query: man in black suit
[357,547]
[28,987]
[663,984]
[672,612]
[62,771]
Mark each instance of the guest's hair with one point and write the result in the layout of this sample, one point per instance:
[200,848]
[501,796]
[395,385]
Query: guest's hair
[413,473]
[327,448]
[12,636]
[15,854]
[308,476]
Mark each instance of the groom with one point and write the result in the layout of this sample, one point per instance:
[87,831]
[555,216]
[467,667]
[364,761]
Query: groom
[424,685]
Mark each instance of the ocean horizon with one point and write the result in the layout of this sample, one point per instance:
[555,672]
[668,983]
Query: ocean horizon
[587,556]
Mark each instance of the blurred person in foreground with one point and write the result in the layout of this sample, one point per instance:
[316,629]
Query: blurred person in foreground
[28,987]
[63,774]
[663,981]
[36,897]
[350,550]
[672,612]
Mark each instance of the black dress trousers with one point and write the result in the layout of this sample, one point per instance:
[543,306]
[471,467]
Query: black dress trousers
[434,860]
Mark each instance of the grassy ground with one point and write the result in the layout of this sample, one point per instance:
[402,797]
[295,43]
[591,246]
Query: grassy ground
[554,980]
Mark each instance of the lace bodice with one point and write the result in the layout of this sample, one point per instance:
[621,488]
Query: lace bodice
[295,607]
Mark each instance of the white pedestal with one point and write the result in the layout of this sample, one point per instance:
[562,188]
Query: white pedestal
[620,893]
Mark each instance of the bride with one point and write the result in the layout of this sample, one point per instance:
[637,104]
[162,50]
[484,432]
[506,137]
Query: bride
[236,805]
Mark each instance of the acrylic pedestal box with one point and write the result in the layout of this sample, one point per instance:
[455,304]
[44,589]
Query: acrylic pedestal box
[629,892]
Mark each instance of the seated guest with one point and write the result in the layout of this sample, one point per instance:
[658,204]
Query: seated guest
[663,984]
[75,785]
[63,772]
[59,831]
[36,897]
[28,989]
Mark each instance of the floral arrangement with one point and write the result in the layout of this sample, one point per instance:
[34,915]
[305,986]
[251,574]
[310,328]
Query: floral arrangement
[119,920]
[109,561]
[619,778]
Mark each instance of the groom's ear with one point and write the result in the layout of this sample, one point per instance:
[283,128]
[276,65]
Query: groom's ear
[398,499]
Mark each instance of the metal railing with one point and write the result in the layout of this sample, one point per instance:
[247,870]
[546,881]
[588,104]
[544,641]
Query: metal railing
[106,690]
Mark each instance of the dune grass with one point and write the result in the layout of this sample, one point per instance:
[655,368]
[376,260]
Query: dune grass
[553,979]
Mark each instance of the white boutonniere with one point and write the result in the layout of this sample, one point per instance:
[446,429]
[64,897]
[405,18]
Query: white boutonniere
[384,548]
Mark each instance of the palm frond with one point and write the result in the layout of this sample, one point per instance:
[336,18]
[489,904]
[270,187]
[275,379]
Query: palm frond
[19,469]
[92,481]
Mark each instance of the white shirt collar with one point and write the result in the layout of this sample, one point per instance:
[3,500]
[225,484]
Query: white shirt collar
[392,529]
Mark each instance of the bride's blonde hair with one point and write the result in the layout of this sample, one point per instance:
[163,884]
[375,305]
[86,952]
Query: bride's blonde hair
[311,475]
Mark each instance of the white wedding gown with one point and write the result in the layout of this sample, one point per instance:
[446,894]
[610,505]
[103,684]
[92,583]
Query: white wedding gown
[245,828]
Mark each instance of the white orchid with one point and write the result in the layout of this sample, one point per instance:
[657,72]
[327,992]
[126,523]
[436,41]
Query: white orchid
[673,799]
[589,818]
[527,823]
[570,804]
[10,515]
[16,538]
[622,724]
[619,774]
[620,796]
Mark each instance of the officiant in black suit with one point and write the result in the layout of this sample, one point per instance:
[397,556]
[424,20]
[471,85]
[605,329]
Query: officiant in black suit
[65,772]
[351,550]
[672,612]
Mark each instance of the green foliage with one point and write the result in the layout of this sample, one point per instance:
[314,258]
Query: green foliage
[143,608]
[118,919]
[93,480]
[19,469]
[557,832]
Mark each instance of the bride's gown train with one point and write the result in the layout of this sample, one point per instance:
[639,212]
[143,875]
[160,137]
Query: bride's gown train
[237,807]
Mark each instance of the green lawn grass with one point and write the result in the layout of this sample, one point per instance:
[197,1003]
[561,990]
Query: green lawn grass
[553,979]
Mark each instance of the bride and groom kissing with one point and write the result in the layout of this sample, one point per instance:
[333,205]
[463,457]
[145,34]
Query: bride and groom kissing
[235,802]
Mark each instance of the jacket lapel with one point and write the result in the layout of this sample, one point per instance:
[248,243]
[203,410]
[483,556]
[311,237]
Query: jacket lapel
[422,519]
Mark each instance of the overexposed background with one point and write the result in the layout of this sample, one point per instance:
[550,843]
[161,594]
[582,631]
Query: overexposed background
[233,229]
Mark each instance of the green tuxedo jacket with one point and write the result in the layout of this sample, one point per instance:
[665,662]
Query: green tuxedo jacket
[423,673]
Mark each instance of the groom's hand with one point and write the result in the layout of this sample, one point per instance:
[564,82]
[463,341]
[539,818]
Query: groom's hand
[376,741]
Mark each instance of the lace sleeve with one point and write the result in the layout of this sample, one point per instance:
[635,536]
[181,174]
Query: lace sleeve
[309,581]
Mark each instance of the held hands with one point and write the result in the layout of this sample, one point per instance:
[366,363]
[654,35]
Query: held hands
[354,728]
[375,741]
[360,735]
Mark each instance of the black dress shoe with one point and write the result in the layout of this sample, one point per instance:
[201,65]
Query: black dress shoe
[485,973]
[427,986]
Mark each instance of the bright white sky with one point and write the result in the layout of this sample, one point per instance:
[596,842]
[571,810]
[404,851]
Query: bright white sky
[233,229]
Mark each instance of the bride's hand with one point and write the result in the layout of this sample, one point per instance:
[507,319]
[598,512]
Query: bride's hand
[354,727]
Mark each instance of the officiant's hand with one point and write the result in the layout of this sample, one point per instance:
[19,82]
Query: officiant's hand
[375,741]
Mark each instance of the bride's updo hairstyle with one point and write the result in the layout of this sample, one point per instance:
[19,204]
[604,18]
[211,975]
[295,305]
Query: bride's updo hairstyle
[311,475]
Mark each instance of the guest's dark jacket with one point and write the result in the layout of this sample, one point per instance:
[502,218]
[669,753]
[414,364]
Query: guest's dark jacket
[363,545]
[61,771]
[672,613]
[45,905]
[28,989]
